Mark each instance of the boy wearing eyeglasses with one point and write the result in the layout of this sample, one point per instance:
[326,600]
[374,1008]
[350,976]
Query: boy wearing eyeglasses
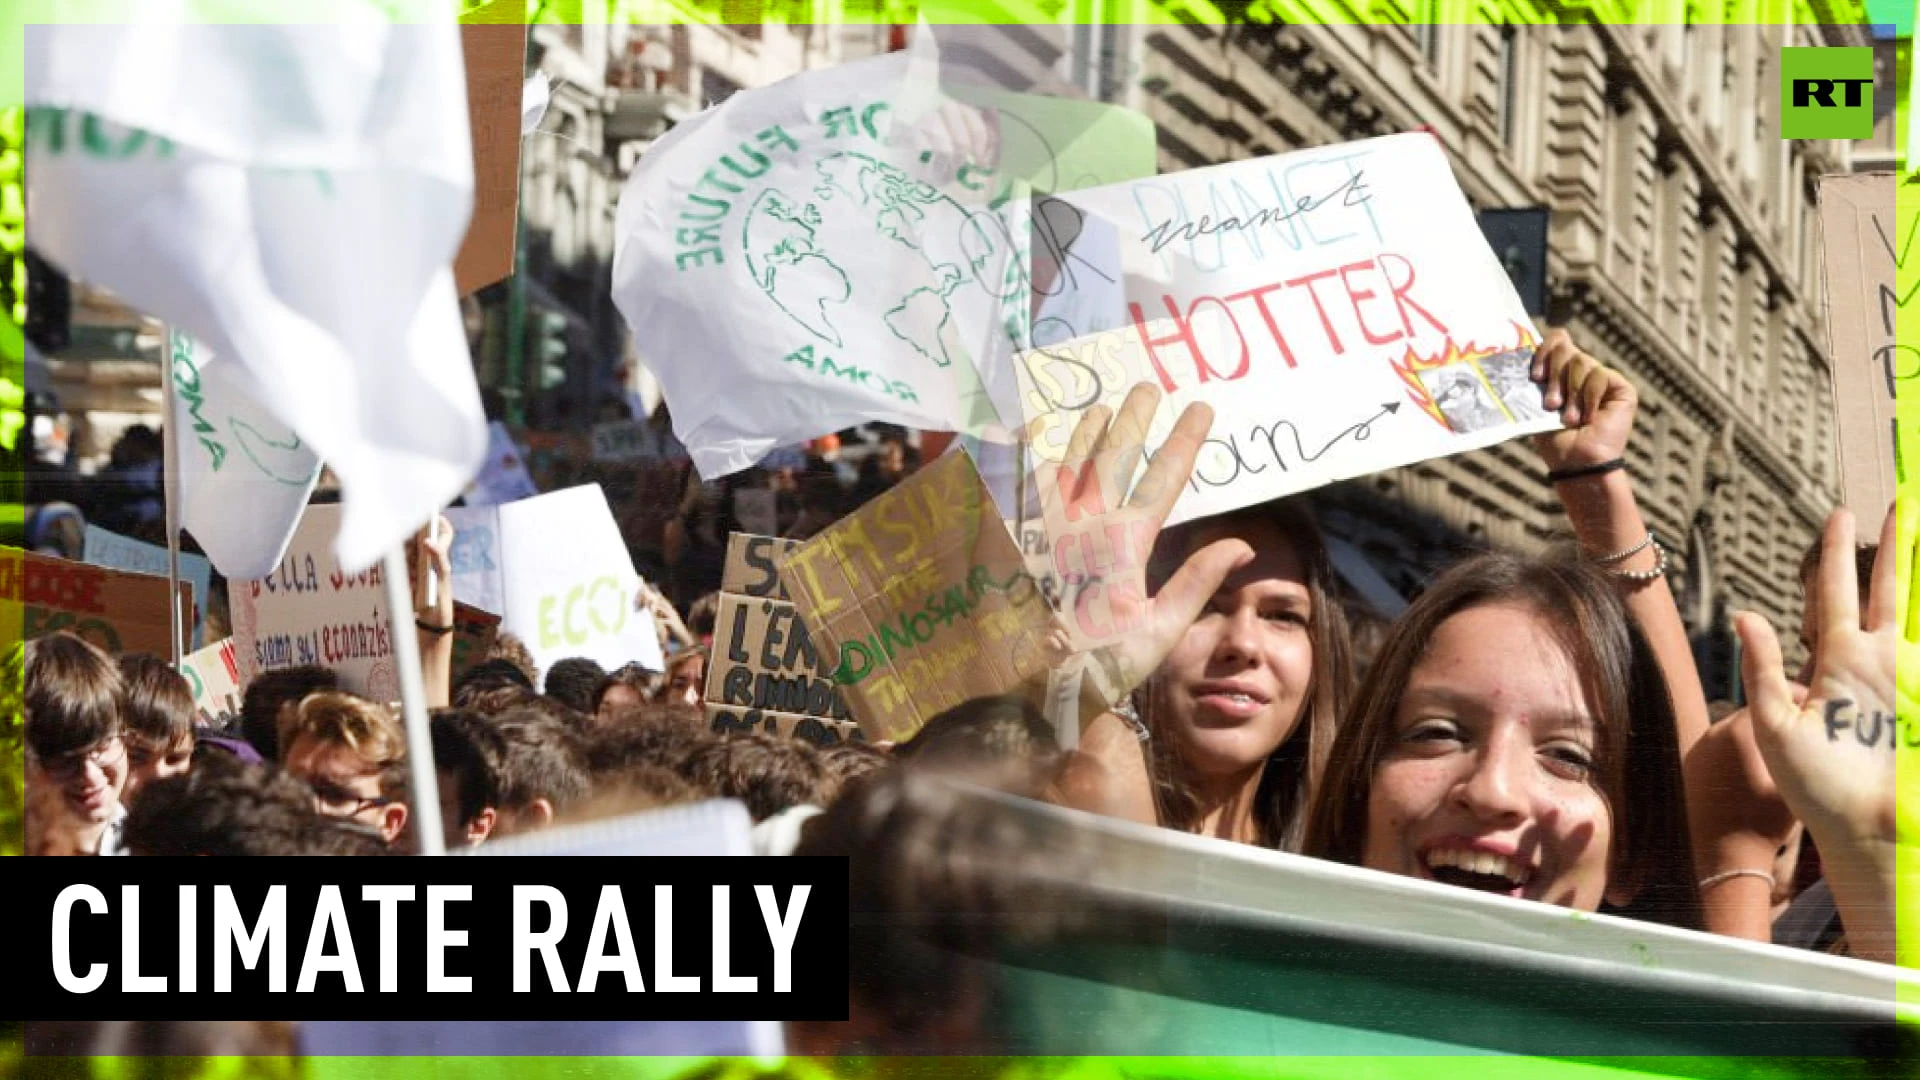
[76,753]
[353,754]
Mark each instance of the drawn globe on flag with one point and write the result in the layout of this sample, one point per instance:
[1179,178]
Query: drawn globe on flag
[797,253]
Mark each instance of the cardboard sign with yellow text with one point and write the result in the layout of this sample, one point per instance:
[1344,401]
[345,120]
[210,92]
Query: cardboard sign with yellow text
[925,598]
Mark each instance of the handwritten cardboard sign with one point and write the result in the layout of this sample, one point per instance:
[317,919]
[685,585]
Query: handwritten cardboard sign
[107,548]
[764,659]
[118,611]
[568,585]
[213,674]
[925,598]
[1868,238]
[496,58]
[822,731]
[308,611]
[1338,307]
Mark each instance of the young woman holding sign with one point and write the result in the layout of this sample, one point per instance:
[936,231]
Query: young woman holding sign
[1246,661]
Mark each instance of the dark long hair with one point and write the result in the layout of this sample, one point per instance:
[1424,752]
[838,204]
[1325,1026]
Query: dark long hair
[1293,770]
[1637,754]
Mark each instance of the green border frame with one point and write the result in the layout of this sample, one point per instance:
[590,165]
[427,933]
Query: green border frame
[1138,12]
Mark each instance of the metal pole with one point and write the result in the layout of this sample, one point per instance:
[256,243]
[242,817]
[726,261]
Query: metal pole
[423,806]
[170,488]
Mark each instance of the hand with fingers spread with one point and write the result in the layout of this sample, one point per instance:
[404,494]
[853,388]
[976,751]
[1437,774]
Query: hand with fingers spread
[1833,755]
[1102,529]
[1595,402]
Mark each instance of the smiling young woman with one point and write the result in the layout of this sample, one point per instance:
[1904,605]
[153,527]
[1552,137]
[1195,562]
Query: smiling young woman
[1515,736]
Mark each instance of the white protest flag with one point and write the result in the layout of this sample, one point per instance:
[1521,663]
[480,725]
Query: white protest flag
[292,197]
[817,254]
[1337,307]
[234,454]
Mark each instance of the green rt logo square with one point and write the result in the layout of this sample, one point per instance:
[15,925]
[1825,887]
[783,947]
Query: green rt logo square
[1826,93]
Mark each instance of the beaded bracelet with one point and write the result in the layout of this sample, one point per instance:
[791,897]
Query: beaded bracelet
[1627,554]
[1658,571]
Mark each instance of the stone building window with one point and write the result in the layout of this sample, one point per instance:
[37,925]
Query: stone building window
[1426,31]
[1509,87]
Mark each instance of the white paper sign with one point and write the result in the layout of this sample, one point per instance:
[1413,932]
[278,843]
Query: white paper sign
[1337,307]
[309,611]
[107,548]
[479,565]
[568,586]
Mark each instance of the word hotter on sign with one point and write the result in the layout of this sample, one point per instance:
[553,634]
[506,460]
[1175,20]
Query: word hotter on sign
[1826,93]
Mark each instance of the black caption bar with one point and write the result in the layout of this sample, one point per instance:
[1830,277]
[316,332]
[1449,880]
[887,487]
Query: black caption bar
[453,938]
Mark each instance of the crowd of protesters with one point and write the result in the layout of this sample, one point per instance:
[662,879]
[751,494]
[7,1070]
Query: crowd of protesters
[1532,727]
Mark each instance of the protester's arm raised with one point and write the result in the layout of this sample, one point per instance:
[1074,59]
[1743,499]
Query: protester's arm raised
[1835,754]
[433,622]
[1089,500]
[1598,405]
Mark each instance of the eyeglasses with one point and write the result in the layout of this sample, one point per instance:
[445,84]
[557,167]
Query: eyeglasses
[105,754]
[338,801]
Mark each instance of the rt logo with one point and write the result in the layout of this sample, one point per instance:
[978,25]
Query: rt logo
[1826,93]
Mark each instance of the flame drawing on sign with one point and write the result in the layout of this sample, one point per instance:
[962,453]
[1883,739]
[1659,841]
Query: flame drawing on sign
[1412,365]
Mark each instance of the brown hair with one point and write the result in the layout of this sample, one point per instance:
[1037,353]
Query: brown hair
[367,728]
[651,734]
[1636,753]
[270,694]
[539,758]
[1293,771]
[230,808]
[508,647]
[73,695]
[768,773]
[156,702]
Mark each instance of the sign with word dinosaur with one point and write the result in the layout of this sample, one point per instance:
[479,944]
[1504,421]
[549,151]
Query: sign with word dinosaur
[118,611]
[1337,307]
[765,664]
[1869,236]
[925,599]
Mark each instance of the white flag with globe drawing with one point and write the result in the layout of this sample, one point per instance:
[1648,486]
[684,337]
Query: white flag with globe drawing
[792,266]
